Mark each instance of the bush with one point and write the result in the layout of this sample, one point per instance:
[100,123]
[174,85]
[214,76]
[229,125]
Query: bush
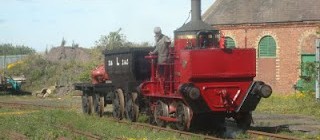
[308,78]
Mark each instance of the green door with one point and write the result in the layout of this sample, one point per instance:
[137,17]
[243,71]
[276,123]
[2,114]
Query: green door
[306,81]
[305,60]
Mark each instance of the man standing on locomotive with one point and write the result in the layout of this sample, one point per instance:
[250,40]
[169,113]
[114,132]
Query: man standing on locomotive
[162,43]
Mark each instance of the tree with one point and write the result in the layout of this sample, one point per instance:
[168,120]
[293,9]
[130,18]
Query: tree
[63,42]
[9,49]
[111,41]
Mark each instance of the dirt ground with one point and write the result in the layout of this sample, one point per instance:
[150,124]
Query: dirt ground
[276,123]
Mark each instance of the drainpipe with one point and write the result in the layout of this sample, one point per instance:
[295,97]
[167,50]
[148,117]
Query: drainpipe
[318,70]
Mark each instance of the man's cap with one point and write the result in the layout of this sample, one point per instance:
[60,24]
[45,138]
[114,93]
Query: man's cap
[157,30]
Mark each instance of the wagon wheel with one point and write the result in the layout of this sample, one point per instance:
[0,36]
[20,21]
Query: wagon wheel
[99,104]
[161,109]
[183,117]
[132,107]
[118,105]
[90,104]
[85,107]
[150,115]
[244,120]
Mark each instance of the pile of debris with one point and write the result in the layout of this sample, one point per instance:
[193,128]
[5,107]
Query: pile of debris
[63,54]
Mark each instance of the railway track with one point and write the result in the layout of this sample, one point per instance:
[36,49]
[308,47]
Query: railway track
[25,104]
[179,133]
[253,134]
[256,134]
[89,136]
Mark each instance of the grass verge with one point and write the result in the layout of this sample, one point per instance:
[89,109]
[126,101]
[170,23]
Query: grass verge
[298,103]
[44,124]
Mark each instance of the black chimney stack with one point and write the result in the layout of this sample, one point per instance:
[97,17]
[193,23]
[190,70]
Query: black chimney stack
[195,10]
[196,24]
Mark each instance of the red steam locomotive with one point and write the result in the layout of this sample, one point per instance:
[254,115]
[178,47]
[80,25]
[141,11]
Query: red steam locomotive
[202,81]
[202,77]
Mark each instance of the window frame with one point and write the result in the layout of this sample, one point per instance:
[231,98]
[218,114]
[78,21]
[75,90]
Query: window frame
[228,39]
[266,42]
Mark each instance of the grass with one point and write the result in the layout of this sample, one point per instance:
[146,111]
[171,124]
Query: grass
[37,123]
[44,124]
[297,103]
[300,104]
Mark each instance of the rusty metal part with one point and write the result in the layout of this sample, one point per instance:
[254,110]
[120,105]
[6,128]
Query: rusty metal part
[270,135]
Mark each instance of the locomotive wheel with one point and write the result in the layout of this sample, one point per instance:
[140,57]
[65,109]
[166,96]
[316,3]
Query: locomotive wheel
[90,105]
[244,120]
[99,104]
[85,107]
[161,109]
[118,105]
[132,107]
[183,117]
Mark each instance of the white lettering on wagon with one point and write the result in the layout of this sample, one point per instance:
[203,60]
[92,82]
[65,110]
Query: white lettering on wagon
[125,62]
[110,63]
[117,60]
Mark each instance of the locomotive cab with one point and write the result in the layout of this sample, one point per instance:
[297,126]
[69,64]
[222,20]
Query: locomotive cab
[203,40]
[206,39]
[203,78]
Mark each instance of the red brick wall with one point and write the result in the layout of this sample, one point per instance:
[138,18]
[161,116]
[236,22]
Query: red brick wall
[283,71]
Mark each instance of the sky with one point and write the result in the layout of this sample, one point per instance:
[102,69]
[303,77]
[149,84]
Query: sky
[42,24]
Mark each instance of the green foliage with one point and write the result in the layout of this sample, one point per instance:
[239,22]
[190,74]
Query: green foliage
[308,77]
[41,73]
[85,76]
[116,40]
[113,40]
[9,49]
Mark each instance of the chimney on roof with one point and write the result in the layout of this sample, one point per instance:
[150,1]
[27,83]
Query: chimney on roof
[195,10]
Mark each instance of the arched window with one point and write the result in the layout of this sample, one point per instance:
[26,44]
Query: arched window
[230,43]
[267,47]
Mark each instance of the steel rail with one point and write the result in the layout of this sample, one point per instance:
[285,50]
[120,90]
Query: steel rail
[271,135]
[177,132]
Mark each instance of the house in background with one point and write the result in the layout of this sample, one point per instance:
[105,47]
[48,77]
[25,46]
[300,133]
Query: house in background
[283,32]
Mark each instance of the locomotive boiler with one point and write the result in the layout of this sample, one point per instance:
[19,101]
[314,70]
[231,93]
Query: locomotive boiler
[203,78]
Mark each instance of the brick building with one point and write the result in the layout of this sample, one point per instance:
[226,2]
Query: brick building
[282,31]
